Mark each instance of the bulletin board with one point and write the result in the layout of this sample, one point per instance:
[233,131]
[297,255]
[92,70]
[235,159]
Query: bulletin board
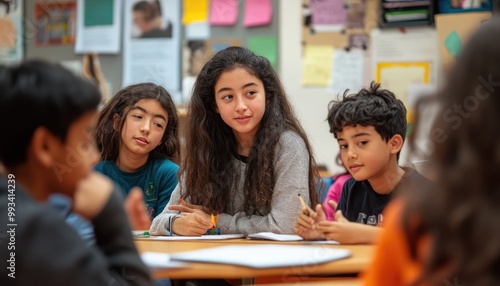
[354,34]
[112,64]
[336,43]
[237,35]
[454,31]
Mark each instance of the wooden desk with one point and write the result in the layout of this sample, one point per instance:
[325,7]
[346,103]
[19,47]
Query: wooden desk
[333,282]
[360,257]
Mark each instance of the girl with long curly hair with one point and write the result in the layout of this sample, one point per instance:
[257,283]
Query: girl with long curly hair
[247,157]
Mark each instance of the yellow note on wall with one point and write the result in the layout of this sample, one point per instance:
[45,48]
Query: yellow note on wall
[317,65]
[195,11]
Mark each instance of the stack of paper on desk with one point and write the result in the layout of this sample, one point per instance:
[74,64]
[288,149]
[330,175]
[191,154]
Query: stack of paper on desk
[263,255]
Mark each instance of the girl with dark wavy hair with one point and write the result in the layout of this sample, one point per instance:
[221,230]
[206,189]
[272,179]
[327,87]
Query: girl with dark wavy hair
[449,235]
[247,157]
[137,135]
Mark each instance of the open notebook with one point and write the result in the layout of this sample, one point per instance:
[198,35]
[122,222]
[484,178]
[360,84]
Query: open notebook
[201,237]
[263,255]
[259,235]
[287,237]
[274,236]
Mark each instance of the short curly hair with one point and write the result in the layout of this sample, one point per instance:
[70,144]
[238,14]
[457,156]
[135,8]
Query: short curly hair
[369,107]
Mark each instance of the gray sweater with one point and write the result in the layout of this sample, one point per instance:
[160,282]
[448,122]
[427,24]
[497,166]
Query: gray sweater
[291,172]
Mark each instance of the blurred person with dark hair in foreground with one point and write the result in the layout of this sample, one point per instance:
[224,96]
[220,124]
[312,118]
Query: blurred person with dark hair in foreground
[450,234]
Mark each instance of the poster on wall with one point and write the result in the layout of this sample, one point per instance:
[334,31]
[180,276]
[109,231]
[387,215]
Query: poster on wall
[55,23]
[11,31]
[195,54]
[401,60]
[98,26]
[398,76]
[152,44]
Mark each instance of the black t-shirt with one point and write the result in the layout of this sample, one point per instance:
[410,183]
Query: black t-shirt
[360,203]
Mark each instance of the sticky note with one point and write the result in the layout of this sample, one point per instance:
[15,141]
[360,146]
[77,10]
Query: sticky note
[257,13]
[266,46]
[453,43]
[195,11]
[317,65]
[223,12]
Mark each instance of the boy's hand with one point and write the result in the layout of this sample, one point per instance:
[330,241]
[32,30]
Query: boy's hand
[346,232]
[332,204]
[339,217]
[305,224]
[136,210]
[191,221]
[91,194]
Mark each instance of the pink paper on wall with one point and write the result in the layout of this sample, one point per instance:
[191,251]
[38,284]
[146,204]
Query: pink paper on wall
[257,13]
[223,12]
[328,12]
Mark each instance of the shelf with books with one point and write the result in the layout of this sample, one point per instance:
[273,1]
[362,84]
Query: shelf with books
[463,6]
[407,13]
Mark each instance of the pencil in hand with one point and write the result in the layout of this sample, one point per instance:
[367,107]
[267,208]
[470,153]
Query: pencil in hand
[304,205]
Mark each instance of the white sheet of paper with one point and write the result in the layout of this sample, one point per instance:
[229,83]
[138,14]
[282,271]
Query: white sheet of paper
[203,237]
[160,260]
[274,236]
[264,255]
[322,242]
[347,71]
[98,38]
[417,44]
[197,31]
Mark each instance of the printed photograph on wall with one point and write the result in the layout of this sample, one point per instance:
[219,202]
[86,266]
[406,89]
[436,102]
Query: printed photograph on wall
[11,31]
[55,23]
[356,14]
[197,52]
[152,44]
[148,20]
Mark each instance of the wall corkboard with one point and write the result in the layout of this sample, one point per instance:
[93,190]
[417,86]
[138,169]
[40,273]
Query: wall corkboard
[354,34]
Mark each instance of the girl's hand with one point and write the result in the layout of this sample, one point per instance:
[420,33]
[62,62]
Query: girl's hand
[183,202]
[191,221]
[136,210]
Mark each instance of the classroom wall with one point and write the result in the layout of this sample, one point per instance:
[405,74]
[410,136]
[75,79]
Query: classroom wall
[310,103]
[112,64]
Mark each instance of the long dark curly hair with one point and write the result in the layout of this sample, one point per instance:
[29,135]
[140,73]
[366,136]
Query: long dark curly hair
[208,169]
[461,214]
[108,139]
